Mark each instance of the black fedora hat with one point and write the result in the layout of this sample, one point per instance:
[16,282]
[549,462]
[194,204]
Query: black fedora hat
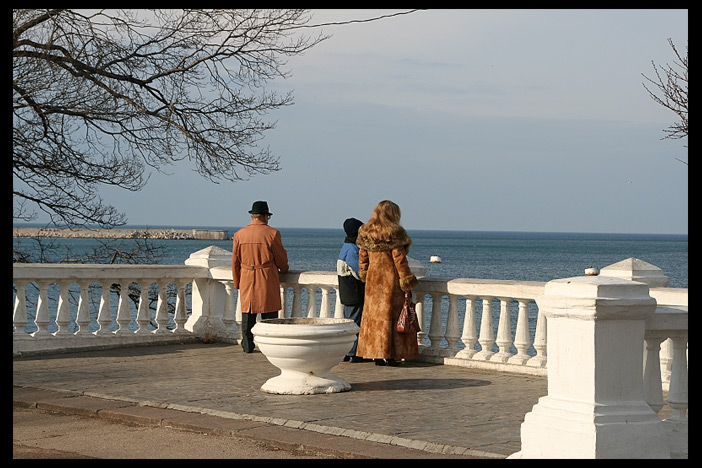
[260,207]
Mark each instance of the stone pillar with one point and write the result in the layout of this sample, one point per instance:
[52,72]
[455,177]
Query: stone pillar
[594,407]
[209,296]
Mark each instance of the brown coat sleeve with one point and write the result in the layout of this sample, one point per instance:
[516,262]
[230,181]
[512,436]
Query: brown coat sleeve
[236,262]
[280,255]
[362,264]
[407,279]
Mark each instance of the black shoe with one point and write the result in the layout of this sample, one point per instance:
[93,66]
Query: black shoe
[356,359]
[380,362]
[392,362]
[347,358]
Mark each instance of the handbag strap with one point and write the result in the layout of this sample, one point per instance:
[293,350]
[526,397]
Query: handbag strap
[408,295]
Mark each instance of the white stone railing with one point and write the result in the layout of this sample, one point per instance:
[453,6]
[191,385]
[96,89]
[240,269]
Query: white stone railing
[111,323]
[493,310]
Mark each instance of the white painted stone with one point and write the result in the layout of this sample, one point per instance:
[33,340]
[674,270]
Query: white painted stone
[305,350]
[210,257]
[416,267]
[637,270]
[594,407]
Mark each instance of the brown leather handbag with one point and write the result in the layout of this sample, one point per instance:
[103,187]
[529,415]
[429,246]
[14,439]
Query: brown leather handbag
[407,322]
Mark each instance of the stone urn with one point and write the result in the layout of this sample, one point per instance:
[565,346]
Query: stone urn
[305,350]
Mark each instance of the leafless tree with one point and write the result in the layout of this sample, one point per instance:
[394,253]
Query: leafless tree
[672,85]
[98,95]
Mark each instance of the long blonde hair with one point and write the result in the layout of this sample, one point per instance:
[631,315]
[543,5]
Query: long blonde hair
[384,221]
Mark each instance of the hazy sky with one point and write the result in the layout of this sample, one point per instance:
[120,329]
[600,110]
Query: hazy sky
[510,120]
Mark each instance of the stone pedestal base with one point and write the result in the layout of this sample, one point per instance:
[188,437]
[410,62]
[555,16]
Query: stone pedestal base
[297,383]
[566,429]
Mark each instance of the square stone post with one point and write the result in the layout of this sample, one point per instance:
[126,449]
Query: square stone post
[209,296]
[594,407]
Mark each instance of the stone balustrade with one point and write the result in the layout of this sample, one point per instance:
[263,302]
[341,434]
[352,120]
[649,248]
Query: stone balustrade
[490,324]
[98,321]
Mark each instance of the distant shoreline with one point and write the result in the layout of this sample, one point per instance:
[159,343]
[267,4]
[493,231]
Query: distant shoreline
[97,233]
[230,230]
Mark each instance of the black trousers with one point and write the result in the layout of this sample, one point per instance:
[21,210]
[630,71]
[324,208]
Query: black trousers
[247,323]
[354,313]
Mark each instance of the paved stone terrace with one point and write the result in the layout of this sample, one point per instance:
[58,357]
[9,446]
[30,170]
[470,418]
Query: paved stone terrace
[433,408]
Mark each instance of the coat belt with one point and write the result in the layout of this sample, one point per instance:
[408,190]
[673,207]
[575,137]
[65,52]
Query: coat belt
[258,267]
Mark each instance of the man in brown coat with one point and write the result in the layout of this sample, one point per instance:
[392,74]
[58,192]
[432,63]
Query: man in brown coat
[257,257]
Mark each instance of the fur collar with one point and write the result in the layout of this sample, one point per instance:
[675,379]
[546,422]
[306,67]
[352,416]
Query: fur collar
[398,238]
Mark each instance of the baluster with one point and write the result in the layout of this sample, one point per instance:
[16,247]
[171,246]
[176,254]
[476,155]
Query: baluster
[104,318]
[486,338]
[666,358]
[470,331]
[419,309]
[143,318]
[229,316]
[338,307]
[297,301]
[504,333]
[162,308]
[653,390]
[521,339]
[19,315]
[63,313]
[677,394]
[181,313]
[452,334]
[83,315]
[123,316]
[311,302]
[539,343]
[283,300]
[435,331]
[238,307]
[325,310]
[42,317]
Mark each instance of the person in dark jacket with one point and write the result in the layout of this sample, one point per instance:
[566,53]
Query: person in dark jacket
[351,288]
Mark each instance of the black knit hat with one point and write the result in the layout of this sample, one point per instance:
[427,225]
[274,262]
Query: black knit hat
[351,226]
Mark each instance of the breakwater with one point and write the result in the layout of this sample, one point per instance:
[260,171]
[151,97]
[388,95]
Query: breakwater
[148,233]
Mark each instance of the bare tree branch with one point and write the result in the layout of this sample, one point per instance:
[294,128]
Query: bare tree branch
[368,20]
[672,84]
[100,95]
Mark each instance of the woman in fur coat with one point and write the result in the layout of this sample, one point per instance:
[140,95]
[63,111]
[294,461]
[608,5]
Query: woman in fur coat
[383,248]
